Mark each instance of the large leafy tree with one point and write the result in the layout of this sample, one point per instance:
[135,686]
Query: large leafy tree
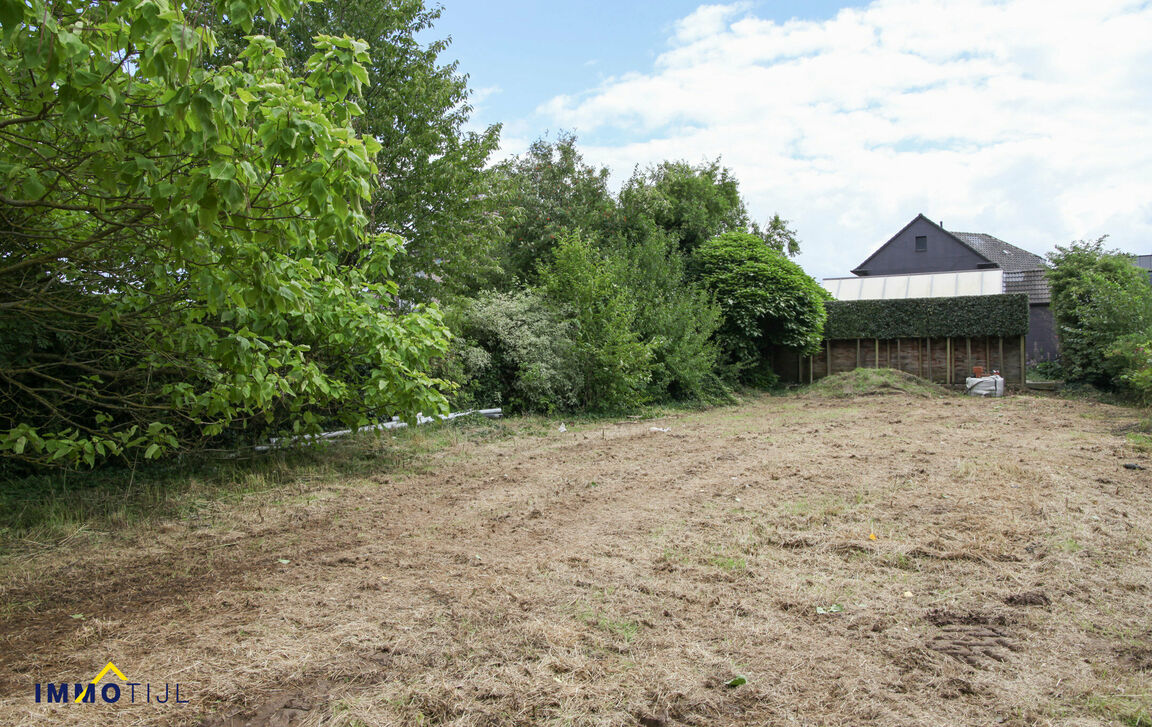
[692,203]
[695,203]
[183,250]
[432,188]
[549,191]
[1098,297]
[767,299]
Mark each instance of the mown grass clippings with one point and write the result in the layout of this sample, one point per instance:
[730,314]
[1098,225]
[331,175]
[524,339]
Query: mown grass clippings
[486,583]
[873,382]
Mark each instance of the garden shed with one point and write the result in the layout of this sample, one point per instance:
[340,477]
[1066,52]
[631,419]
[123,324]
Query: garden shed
[939,339]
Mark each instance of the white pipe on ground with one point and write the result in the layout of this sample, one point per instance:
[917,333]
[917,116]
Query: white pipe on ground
[276,442]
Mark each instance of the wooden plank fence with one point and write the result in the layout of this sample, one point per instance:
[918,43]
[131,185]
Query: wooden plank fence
[942,360]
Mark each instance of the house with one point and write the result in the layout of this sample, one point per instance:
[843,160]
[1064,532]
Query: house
[1145,262]
[924,247]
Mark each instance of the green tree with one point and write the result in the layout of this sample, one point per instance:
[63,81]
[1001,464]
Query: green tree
[778,236]
[692,203]
[431,185]
[695,204]
[1098,297]
[183,250]
[674,318]
[548,192]
[767,300]
[612,362]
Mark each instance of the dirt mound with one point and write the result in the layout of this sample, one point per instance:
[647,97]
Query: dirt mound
[871,382]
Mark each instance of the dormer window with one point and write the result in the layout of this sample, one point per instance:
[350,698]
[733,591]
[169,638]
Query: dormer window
[921,243]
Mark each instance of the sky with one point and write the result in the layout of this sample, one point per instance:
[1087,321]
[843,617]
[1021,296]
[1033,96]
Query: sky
[1030,120]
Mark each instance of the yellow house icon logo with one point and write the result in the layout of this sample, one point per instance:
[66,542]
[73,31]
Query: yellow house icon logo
[109,668]
[110,693]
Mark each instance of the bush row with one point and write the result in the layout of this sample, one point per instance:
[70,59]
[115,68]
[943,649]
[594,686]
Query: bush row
[977,315]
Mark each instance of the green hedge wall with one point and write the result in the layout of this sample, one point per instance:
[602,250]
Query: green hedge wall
[974,315]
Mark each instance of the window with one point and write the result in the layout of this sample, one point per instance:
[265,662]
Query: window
[921,243]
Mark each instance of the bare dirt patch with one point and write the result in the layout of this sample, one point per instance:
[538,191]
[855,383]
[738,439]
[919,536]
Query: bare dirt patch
[892,560]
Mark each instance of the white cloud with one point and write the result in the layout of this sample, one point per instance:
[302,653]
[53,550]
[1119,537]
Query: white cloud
[1027,119]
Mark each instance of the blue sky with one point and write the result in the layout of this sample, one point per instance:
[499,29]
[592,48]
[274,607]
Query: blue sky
[520,53]
[1027,119]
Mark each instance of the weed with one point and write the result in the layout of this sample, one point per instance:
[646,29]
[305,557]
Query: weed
[623,629]
[1139,441]
[728,563]
[58,508]
[1127,709]
[1070,545]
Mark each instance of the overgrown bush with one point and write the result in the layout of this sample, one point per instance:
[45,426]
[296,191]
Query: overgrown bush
[514,350]
[612,362]
[1098,297]
[674,318]
[184,251]
[1131,358]
[767,301]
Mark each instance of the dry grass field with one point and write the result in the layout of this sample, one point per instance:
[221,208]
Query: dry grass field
[863,559]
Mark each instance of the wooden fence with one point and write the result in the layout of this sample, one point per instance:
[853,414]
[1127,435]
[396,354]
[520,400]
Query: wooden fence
[943,360]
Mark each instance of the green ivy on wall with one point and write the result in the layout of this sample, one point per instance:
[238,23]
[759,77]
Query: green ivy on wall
[975,315]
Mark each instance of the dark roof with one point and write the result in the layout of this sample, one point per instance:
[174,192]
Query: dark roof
[1008,257]
[1031,282]
[1001,254]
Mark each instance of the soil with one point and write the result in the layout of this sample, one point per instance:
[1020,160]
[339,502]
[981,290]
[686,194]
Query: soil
[888,560]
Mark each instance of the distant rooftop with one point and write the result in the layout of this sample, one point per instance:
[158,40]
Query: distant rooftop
[1006,255]
[1031,282]
[1145,261]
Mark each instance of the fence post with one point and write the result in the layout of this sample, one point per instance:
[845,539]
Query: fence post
[948,360]
[828,354]
[1023,372]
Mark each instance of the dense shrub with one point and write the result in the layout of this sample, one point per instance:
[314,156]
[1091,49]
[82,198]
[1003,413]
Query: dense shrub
[675,319]
[767,300]
[185,254]
[1131,358]
[1098,297]
[612,362]
[513,350]
[976,315]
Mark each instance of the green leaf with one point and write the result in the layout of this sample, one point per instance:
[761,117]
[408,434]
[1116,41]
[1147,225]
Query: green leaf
[33,188]
[152,451]
[736,682]
[11,16]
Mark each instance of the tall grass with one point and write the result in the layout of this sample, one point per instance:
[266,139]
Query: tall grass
[53,508]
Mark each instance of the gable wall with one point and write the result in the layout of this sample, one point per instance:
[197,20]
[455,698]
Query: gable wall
[944,254]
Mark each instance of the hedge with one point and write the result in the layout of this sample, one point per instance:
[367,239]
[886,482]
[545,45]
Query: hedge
[974,315]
